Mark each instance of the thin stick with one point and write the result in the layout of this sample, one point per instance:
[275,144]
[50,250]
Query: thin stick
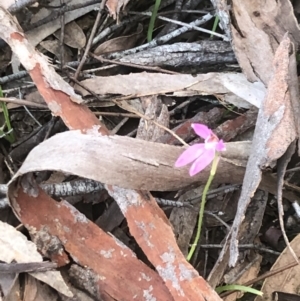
[157,69]
[89,44]
[224,37]
[23,102]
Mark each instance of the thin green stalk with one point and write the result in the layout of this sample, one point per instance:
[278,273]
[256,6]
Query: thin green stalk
[216,22]
[201,211]
[152,20]
[236,287]
[9,136]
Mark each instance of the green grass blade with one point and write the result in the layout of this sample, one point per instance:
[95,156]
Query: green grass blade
[216,22]
[9,136]
[236,287]
[152,20]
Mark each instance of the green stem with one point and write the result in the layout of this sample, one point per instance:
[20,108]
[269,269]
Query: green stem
[236,287]
[201,211]
[10,136]
[215,26]
[152,20]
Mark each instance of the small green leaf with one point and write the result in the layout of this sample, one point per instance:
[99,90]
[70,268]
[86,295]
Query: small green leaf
[152,20]
[236,287]
[216,22]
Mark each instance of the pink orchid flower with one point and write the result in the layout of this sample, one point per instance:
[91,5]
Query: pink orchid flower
[201,154]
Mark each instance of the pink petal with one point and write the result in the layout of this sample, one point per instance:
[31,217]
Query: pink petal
[190,154]
[201,130]
[220,146]
[202,161]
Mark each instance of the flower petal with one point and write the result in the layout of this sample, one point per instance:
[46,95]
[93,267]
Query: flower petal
[190,154]
[201,130]
[220,146]
[202,161]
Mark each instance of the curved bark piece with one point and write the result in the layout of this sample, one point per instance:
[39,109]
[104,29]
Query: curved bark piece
[118,273]
[133,163]
[123,161]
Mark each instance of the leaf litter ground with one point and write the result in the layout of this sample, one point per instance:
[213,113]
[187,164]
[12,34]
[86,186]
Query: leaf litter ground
[88,198]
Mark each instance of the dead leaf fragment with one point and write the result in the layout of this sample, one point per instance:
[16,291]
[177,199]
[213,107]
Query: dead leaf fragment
[143,84]
[256,30]
[73,35]
[54,47]
[286,281]
[119,43]
[14,246]
[275,130]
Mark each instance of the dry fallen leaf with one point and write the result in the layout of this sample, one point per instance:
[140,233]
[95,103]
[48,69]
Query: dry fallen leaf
[73,35]
[287,280]
[119,43]
[54,47]
[14,246]
[256,30]
[275,131]
[142,84]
